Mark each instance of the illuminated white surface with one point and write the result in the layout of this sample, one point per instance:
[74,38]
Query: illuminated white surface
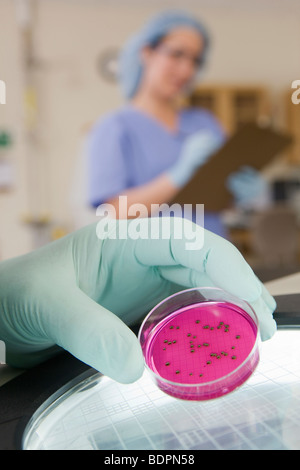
[263,414]
[285,285]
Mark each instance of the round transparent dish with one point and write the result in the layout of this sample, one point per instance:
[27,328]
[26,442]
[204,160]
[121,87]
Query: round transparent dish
[201,343]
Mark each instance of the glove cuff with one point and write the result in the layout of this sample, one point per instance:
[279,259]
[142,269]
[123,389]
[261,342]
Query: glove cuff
[179,176]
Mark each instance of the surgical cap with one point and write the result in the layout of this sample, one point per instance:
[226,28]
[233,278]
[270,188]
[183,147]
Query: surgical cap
[130,64]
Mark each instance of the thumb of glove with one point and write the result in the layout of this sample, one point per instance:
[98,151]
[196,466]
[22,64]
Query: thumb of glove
[202,145]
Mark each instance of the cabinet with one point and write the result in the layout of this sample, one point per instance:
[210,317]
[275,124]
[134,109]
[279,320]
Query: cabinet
[233,105]
[293,128]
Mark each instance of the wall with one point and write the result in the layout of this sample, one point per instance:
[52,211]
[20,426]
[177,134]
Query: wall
[14,236]
[250,45]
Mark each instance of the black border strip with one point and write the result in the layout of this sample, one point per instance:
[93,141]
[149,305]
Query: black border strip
[287,313]
[21,397]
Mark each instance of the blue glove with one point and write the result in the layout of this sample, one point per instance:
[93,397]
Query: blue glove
[249,188]
[79,292]
[196,150]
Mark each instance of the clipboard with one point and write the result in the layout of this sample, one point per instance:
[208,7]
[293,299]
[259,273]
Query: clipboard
[251,145]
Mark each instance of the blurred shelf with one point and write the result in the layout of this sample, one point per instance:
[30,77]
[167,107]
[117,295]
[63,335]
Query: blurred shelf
[234,105]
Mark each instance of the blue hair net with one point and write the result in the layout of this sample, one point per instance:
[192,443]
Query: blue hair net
[130,65]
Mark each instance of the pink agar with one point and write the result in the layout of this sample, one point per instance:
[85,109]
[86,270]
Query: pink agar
[203,343]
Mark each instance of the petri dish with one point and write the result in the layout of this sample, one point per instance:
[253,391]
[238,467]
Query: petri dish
[200,343]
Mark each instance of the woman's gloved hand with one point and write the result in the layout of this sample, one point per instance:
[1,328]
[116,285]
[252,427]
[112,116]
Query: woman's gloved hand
[249,188]
[196,150]
[79,292]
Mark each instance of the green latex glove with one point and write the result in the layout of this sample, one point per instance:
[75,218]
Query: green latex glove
[79,292]
[196,151]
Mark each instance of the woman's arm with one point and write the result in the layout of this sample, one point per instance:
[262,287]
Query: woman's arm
[157,191]
[196,150]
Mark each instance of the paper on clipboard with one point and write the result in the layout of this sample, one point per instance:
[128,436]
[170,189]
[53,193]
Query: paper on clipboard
[251,145]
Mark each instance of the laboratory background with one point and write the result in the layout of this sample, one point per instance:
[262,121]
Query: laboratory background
[59,78]
[59,64]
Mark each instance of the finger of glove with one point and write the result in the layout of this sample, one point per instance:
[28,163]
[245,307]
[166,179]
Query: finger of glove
[263,306]
[267,324]
[268,298]
[215,262]
[204,141]
[237,181]
[248,170]
[243,191]
[213,255]
[185,277]
[92,333]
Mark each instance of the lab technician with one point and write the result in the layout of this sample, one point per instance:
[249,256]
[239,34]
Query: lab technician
[150,148]
[80,292]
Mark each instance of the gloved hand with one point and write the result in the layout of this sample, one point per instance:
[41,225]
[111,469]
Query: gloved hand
[195,152]
[250,189]
[79,292]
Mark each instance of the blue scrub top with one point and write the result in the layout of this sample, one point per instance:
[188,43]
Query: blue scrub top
[129,148]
